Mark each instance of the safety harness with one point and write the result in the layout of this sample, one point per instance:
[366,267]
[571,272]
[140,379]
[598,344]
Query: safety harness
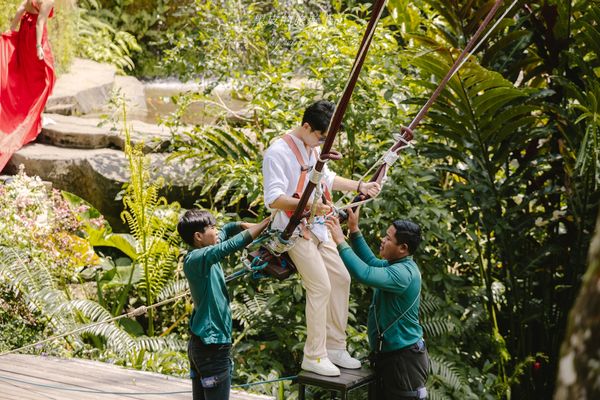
[305,168]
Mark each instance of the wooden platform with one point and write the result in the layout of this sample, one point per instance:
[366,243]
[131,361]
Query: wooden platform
[25,377]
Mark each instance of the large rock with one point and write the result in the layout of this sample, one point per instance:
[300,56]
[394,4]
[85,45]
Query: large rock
[74,132]
[98,175]
[95,133]
[204,111]
[85,88]
[134,94]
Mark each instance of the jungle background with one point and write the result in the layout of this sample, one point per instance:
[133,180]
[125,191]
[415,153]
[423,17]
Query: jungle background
[503,179]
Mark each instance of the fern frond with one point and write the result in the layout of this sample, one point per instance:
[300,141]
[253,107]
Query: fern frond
[117,339]
[430,303]
[155,344]
[446,373]
[151,220]
[22,272]
[436,393]
[437,326]
[172,289]
[249,308]
[90,309]
[32,279]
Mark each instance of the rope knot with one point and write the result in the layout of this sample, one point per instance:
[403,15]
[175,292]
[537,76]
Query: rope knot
[139,311]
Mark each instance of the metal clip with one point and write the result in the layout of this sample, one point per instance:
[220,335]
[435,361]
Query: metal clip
[277,245]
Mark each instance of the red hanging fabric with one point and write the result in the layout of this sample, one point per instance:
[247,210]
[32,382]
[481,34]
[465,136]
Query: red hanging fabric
[26,82]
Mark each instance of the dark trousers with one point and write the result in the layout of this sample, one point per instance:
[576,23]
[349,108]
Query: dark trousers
[210,369]
[400,372]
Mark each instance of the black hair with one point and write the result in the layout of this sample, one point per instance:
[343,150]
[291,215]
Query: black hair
[194,220]
[318,115]
[409,233]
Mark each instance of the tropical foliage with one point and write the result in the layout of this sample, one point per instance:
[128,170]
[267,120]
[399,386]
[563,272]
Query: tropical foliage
[132,34]
[49,268]
[100,41]
[152,223]
[503,177]
[40,251]
[504,172]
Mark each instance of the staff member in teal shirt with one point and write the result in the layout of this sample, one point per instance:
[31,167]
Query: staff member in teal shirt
[395,335]
[210,324]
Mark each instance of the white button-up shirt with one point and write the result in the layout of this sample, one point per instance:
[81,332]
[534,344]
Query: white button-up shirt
[281,173]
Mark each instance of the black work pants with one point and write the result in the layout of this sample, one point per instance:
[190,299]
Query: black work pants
[401,371]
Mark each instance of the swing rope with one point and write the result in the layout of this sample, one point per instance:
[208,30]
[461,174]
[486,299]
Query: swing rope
[405,137]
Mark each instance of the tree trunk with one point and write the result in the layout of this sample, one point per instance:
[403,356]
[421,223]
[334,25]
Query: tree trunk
[579,367]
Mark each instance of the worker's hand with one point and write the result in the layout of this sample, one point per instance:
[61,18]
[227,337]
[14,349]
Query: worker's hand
[256,229]
[246,225]
[370,189]
[265,223]
[333,224]
[353,220]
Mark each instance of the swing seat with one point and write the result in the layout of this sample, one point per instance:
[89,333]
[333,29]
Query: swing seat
[278,266]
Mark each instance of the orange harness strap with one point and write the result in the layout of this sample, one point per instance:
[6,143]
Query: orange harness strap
[304,168]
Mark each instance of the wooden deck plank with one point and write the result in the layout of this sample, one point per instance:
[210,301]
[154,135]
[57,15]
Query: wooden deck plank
[26,377]
[74,384]
[75,376]
[18,392]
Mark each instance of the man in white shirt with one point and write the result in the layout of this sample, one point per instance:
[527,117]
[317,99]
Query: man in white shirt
[324,277]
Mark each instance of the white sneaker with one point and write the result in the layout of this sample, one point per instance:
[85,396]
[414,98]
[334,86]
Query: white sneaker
[321,366]
[343,359]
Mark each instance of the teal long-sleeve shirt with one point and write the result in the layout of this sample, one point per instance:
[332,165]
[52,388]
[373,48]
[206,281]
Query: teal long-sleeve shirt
[397,287]
[211,317]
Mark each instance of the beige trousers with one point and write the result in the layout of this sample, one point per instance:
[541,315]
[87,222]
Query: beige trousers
[327,285]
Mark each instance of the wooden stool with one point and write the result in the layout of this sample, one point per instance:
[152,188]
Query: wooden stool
[348,380]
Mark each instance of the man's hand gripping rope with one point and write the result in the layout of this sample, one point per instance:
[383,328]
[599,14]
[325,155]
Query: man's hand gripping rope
[402,141]
[316,178]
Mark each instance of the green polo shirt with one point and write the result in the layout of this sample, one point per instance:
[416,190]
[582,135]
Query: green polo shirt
[396,286]
[211,317]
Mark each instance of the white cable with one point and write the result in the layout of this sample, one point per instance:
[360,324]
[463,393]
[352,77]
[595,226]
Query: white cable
[387,155]
[484,38]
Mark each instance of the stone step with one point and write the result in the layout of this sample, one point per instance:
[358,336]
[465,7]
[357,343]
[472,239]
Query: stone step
[85,88]
[94,133]
[98,175]
[74,132]
[63,109]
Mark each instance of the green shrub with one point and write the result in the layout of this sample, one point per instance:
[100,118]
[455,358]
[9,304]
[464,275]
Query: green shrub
[20,325]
